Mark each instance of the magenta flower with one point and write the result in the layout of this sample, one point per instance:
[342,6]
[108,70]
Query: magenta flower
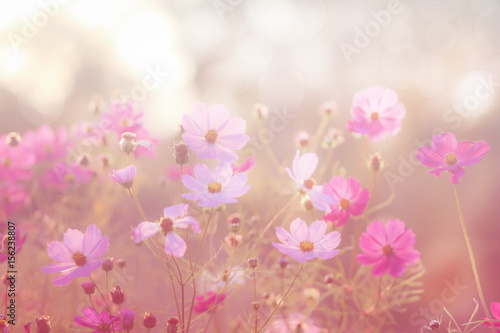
[446,154]
[212,133]
[302,170]
[212,188]
[206,302]
[78,254]
[48,145]
[173,217]
[376,113]
[304,243]
[495,311]
[389,249]
[100,323]
[352,200]
[127,318]
[125,177]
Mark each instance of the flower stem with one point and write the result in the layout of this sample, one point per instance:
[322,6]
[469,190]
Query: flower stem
[121,317]
[100,293]
[281,300]
[255,318]
[472,260]
[137,204]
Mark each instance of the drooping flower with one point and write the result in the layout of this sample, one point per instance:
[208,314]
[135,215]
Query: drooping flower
[78,254]
[446,154]
[125,177]
[376,113]
[100,323]
[302,170]
[495,311]
[212,188]
[212,133]
[304,242]
[207,301]
[173,217]
[352,200]
[388,248]
[293,323]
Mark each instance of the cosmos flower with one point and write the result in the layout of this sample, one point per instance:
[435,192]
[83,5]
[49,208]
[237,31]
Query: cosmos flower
[212,188]
[12,196]
[78,254]
[48,144]
[293,323]
[304,243]
[123,117]
[376,113]
[302,170]
[173,217]
[212,133]
[100,323]
[388,248]
[446,154]
[495,311]
[352,200]
[63,176]
[207,301]
[15,162]
[125,177]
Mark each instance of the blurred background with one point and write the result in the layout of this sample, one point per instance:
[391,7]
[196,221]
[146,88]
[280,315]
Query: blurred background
[442,58]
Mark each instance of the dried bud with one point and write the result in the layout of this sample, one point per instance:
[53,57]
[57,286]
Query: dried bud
[253,262]
[376,162]
[88,287]
[172,324]
[121,263]
[328,279]
[261,111]
[43,324]
[127,143]
[234,222]
[256,305]
[181,153]
[117,295]
[13,139]
[283,262]
[302,139]
[434,325]
[107,264]
[149,320]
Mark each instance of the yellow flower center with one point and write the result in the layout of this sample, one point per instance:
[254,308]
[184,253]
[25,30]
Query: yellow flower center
[387,250]
[69,178]
[374,116]
[450,159]
[166,225]
[306,246]
[308,184]
[211,136]
[214,187]
[344,204]
[126,122]
[79,258]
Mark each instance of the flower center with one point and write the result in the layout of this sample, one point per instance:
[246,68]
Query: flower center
[103,327]
[306,246]
[214,187]
[344,204]
[166,225]
[69,178]
[126,122]
[450,159]
[374,116]
[308,184]
[211,136]
[7,161]
[79,258]
[387,250]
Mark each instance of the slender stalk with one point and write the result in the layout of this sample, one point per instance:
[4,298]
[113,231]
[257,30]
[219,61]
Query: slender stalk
[107,287]
[100,293]
[255,318]
[121,317]
[91,303]
[472,260]
[137,204]
[281,300]
[180,186]
[319,133]
[268,149]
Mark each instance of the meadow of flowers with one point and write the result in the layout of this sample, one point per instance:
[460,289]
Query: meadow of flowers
[104,246]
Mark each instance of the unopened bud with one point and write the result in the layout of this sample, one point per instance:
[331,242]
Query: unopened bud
[256,305]
[43,324]
[127,143]
[117,295]
[181,153]
[328,108]
[261,111]
[121,263]
[172,324]
[283,262]
[328,279]
[88,287]
[376,162]
[434,325]
[302,139]
[253,262]
[107,264]
[84,160]
[13,139]
[149,320]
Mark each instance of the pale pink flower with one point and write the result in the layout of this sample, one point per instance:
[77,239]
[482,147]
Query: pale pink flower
[352,200]
[376,113]
[63,176]
[125,177]
[495,311]
[446,154]
[212,133]
[388,248]
[173,217]
[15,162]
[304,243]
[293,323]
[48,144]
[212,188]
[247,165]
[78,254]
[100,323]
[302,170]
[12,196]
[122,117]
[207,301]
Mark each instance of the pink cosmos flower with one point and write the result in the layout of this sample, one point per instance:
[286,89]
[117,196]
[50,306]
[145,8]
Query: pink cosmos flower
[212,188]
[12,196]
[389,249]
[122,117]
[173,217]
[446,154]
[352,200]
[212,133]
[48,144]
[208,301]
[376,113]
[301,173]
[292,323]
[78,254]
[495,311]
[125,177]
[304,243]
[15,162]
[63,176]
[247,165]
[100,323]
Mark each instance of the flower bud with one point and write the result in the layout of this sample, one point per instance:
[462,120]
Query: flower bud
[172,324]
[149,320]
[88,287]
[302,139]
[181,153]
[13,139]
[328,279]
[328,108]
[434,325]
[117,295]
[234,222]
[121,263]
[283,262]
[127,143]
[376,162]
[127,317]
[253,262]
[43,324]
[256,305]
[84,160]
[107,264]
